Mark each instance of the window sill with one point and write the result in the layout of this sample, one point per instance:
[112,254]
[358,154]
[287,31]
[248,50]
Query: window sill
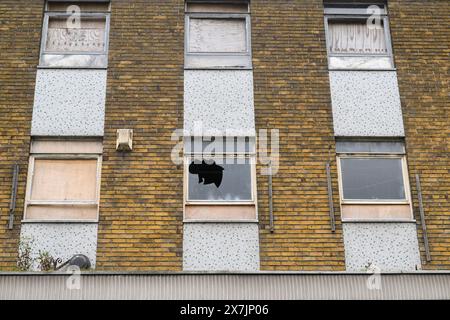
[60,221]
[72,68]
[364,70]
[220,203]
[218,68]
[220,221]
[375,203]
[379,221]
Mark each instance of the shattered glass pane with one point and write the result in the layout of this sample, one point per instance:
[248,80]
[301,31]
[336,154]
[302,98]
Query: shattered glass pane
[222,181]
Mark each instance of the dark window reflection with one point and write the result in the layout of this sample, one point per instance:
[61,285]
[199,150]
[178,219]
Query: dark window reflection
[372,179]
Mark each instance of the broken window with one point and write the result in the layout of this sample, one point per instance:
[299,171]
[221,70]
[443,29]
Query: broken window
[220,170]
[75,35]
[213,180]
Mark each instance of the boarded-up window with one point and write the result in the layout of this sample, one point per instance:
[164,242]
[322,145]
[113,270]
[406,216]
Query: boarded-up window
[62,180]
[63,185]
[217,35]
[75,35]
[356,37]
[88,36]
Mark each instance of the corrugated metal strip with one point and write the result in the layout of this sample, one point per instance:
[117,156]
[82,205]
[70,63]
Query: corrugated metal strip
[226,286]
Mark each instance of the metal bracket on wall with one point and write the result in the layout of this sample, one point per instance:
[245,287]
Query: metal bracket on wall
[272,228]
[422,218]
[330,198]
[12,203]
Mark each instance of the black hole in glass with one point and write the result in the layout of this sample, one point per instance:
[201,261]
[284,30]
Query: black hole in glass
[207,173]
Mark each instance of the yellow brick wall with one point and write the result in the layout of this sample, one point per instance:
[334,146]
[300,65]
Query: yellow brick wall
[292,94]
[141,199]
[142,191]
[420,36]
[20,27]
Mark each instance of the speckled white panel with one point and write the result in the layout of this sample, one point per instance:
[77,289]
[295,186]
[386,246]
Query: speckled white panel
[366,103]
[62,240]
[220,100]
[221,247]
[69,103]
[389,246]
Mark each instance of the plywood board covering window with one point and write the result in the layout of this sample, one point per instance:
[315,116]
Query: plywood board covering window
[217,35]
[63,184]
[64,180]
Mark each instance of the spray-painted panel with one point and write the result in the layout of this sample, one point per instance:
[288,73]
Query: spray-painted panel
[220,247]
[366,103]
[69,103]
[388,246]
[219,100]
[61,240]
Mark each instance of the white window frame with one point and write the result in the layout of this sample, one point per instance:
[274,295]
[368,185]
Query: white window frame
[80,203]
[250,155]
[364,155]
[208,60]
[100,58]
[348,14]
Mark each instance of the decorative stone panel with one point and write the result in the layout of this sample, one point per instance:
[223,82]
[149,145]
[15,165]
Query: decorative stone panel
[69,103]
[62,240]
[219,100]
[220,247]
[389,246]
[366,103]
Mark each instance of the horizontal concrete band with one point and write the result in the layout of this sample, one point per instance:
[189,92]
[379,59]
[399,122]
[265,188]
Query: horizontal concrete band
[227,286]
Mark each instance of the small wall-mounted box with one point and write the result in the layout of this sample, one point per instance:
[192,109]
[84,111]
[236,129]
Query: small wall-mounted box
[124,140]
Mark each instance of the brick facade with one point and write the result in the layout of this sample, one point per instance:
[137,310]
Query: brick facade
[292,94]
[20,27]
[420,40]
[141,204]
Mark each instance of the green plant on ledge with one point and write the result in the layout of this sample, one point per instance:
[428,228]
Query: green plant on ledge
[25,260]
[46,261]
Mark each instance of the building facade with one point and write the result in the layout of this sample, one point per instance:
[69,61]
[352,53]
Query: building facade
[226,136]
